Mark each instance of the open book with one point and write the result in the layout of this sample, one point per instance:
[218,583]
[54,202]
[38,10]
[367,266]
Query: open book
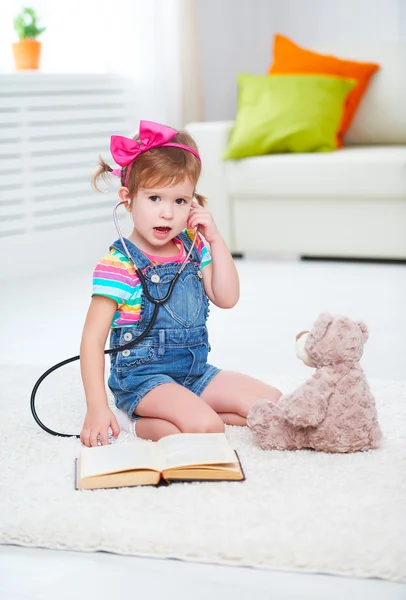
[179,457]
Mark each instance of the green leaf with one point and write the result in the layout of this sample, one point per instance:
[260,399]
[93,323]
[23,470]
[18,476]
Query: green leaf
[25,24]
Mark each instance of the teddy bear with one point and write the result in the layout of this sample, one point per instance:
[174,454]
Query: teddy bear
[334,410]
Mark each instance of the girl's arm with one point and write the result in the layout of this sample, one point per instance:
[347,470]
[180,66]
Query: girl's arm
[99,417]
[220,277]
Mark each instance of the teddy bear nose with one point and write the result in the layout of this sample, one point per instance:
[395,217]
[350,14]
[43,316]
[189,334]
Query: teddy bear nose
[299,335]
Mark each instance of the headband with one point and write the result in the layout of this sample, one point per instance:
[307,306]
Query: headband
[152,135]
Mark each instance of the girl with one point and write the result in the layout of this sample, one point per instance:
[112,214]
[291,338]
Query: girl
[164,384]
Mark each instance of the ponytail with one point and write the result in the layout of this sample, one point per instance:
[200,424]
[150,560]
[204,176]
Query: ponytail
[102,172]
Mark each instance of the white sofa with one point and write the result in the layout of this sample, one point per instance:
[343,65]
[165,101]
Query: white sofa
[350,203]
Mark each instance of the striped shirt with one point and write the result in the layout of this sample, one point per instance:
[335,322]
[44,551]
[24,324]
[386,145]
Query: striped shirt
[115,278]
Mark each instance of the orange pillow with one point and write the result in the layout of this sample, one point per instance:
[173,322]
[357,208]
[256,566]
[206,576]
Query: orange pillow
[292,59]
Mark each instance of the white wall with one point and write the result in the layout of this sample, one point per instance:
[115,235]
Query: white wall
[236,36]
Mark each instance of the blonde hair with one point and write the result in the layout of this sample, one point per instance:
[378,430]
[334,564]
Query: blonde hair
[162,166]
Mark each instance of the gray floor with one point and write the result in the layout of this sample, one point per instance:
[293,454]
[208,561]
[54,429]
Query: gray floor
[41,324]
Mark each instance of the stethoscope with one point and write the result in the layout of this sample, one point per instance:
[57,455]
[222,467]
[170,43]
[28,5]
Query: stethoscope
[157,302]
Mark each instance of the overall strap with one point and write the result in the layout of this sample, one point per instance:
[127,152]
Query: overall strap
[137,256]
[187,242]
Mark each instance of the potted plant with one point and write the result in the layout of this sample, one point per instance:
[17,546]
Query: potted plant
[28,50]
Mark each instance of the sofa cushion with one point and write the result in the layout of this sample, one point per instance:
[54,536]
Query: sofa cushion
[354,170]
[291,58]
[287,113]
[381,114]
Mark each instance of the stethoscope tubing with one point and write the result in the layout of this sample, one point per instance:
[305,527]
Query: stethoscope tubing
[158,302]
[73,359]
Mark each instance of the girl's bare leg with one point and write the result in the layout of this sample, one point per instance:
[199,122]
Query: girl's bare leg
[154,429]
[174,405]
[232,394]
[233,419]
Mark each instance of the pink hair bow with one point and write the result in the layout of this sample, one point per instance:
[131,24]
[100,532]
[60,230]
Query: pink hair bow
[152,135]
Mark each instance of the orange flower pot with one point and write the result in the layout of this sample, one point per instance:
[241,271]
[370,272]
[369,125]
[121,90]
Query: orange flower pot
[27,54]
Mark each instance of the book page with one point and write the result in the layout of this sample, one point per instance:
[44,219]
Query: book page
[185,449]
[114,458]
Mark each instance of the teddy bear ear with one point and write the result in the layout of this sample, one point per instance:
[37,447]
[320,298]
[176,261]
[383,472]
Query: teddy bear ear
[322,323]
[364,330]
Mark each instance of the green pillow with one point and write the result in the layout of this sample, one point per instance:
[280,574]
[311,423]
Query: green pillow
[287,113]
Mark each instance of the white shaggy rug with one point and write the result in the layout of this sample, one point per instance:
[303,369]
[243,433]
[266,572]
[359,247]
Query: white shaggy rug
[303,511]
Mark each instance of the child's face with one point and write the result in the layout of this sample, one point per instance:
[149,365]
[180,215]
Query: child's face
[161,213]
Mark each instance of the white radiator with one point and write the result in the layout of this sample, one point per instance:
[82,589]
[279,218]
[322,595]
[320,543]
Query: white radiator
[52,129]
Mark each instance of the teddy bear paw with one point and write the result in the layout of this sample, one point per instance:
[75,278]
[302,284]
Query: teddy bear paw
[270,429]
[260,412]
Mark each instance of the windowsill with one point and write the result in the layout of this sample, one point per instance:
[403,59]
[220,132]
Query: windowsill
[38,74]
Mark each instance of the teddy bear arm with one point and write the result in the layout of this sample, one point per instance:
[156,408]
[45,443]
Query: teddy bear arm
[307,405]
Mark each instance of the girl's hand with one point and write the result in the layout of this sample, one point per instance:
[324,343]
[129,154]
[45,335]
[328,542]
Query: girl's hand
[202,219]
[96,424]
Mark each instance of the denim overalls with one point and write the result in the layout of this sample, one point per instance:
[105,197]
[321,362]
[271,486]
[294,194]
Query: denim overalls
[176,349]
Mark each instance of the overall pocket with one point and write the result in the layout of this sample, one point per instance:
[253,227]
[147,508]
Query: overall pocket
[138,355]
[199,354]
